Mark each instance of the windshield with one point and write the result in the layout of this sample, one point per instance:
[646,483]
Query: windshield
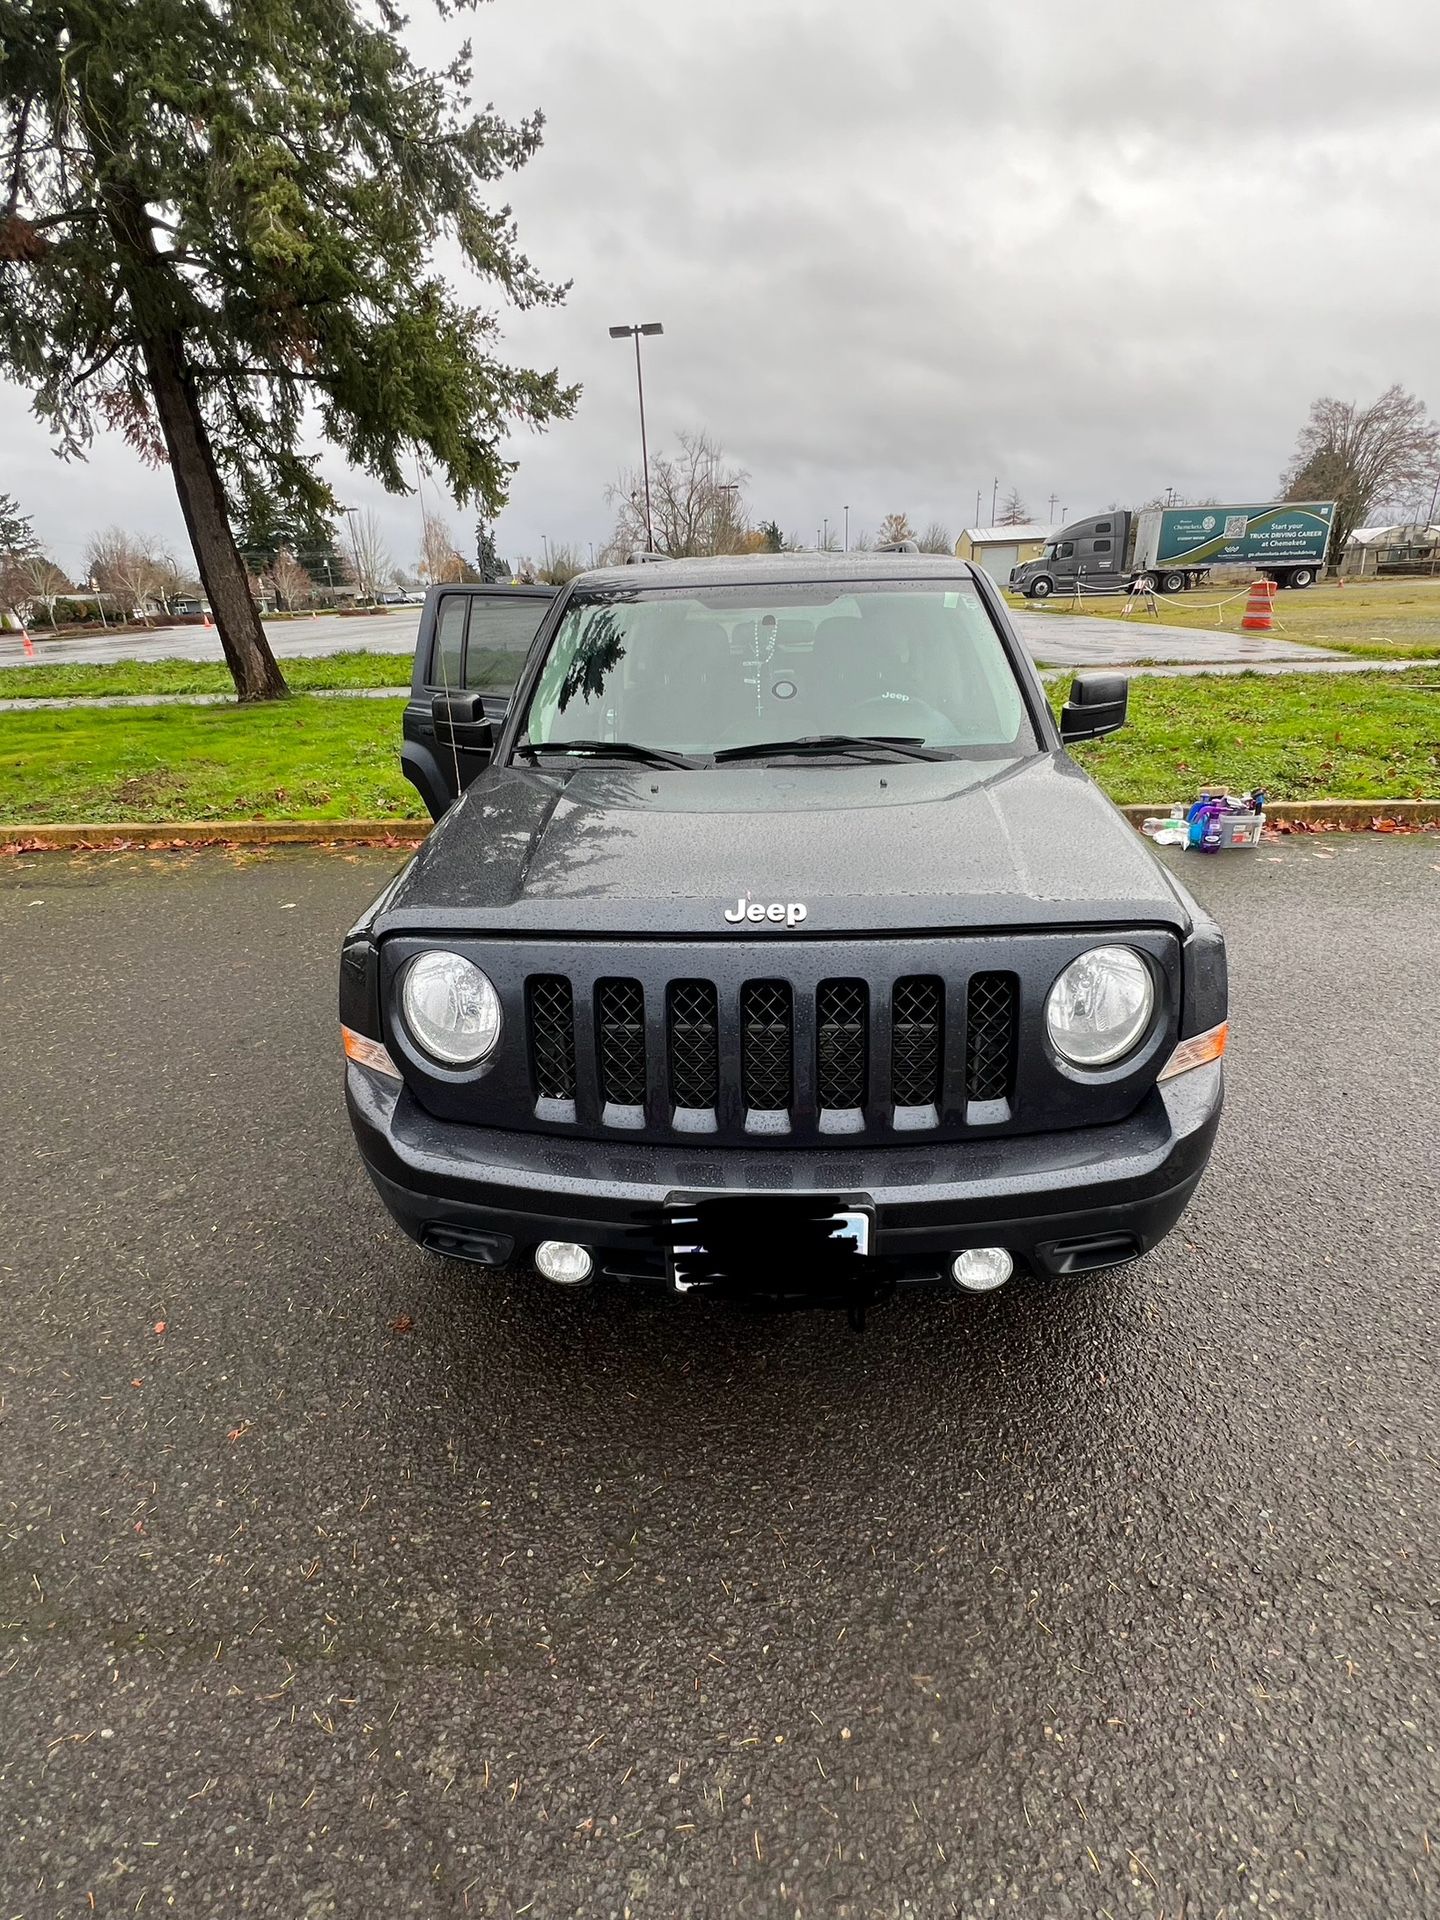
[699,672]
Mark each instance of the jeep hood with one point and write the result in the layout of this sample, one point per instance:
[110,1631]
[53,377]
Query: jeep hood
[902,847]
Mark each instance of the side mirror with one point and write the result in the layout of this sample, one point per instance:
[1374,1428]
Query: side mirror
[462,722]
[1097,704]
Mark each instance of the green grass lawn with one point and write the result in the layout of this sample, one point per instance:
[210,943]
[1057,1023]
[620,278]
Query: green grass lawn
[1312,736]
[1304,736]
[305,758]
[1375,619]
[61,682]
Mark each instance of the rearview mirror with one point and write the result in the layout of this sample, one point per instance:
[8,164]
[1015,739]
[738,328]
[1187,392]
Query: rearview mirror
[1098,704]
[461,721]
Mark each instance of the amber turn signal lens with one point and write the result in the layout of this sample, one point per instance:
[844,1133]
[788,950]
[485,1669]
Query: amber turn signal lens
[367,1053]
[1197,1051]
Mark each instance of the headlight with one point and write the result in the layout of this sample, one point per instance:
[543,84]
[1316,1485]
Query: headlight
[1100,1006]
[451,1009]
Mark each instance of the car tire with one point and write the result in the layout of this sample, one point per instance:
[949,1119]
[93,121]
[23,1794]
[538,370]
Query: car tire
[1040,589]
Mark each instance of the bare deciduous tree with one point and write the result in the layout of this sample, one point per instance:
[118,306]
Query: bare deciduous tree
[293,585]
[368,564]
[440,559]
[174,580]
[1014,513]
[936,538]
[565,563]
[127,568]
[46,582]
[697,502]
[894,527]
[18,547]
[1364,458]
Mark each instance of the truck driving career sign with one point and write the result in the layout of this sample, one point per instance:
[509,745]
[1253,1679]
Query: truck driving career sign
[1260,534]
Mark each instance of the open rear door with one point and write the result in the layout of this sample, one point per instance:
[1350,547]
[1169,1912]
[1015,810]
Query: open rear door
[472,643]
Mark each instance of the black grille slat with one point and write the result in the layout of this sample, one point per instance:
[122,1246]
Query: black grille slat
[551,1009]
[915,1041]
[990,1037]
[841,1043]
[694,1040]
[620,1031]
[766,1045]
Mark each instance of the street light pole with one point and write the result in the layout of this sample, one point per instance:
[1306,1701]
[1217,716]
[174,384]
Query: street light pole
[349,513]
[847,529]
[624,333]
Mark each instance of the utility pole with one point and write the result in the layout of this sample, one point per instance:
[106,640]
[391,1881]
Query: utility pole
[977,506]
[994,499]
[1053,498]
[360,585]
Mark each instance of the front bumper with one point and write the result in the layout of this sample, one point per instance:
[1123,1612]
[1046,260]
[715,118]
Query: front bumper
[1064,1202]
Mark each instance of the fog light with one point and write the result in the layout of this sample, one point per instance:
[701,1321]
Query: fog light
[564,1262]
[982,1269]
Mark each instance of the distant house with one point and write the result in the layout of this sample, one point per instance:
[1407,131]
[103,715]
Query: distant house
[998,549]
[186,606]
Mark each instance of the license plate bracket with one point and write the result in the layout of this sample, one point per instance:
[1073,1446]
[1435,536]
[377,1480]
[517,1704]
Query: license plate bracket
[792,1244]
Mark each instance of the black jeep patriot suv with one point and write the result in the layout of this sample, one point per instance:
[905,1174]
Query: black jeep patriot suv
[773,943]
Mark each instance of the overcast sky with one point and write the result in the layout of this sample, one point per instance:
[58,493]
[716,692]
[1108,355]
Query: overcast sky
[900,252]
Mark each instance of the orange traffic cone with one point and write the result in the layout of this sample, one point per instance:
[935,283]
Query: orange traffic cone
[1259,616]
[29,643]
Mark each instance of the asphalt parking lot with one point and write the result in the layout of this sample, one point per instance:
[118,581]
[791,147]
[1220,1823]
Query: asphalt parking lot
[392,631]
[336,1581]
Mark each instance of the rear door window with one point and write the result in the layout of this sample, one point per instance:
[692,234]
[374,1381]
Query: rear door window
[447,657]
[499,638]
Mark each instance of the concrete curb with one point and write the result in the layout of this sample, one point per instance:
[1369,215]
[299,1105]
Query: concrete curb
[17,837]
[168,834]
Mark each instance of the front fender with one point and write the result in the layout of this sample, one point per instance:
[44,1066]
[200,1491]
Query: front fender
[421,768]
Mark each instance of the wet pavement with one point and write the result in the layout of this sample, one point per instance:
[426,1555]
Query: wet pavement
[1088,640]
[338,1581]
[1059,639]
[392,631]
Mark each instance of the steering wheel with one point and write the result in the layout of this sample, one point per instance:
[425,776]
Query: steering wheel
[906,712]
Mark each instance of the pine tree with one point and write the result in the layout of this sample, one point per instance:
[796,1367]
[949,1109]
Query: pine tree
[487,561]
[215,218]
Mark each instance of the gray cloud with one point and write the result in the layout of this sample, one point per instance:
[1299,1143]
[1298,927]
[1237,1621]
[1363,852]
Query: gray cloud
[1091,251]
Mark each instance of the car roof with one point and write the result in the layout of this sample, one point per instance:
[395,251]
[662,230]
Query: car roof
[777,569]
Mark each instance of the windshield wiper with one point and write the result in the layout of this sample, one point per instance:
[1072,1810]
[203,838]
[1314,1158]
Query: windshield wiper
[910,746]
[609,750]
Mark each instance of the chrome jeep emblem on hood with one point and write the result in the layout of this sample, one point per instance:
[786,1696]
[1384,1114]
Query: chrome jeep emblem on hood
[787,913]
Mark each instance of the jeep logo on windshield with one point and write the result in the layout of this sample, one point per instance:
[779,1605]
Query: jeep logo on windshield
[786,913]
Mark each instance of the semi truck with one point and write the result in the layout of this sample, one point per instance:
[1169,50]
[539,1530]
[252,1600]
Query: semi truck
[1169,549]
